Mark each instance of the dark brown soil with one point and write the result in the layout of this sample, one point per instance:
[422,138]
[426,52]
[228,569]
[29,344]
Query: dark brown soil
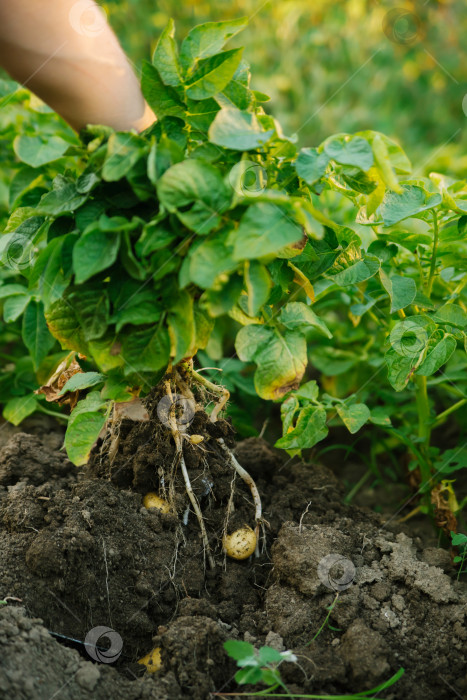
[80,551]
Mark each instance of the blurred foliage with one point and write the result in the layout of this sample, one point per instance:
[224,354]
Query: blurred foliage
[345,65]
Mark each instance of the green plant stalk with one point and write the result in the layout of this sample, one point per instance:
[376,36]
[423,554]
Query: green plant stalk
[424,423]
[354,696]
[356,488]
[406,441]
[330,609]
[433,255]
[55,414]
[441,417]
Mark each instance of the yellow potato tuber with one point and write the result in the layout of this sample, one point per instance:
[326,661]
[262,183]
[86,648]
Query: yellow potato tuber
[240,544]
[152,500]
[196,439]
[152,661]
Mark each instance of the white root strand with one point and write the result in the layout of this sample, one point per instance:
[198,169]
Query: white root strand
[196,508]
[219,406]
[252,486]
[188,487]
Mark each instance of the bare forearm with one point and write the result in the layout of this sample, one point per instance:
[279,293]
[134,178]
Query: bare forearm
[64,51]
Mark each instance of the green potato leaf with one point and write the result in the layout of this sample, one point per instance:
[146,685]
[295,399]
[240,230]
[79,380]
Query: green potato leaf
[213,74]
[81,434]
[258,286]
[82,380]
[165,57]
[19,408]
[240,131]
[438,353]
[354,416]
[95,250]
[181,327]
[281,359]
[311,165]
[39,150]
[210,259]
[207,39]
[413,200]
[123,152]
[147,349]
[196,192]
[349,150]
[299,316]
[264,228]
[451,314]
[14,307]
[36,335]
[163,99]
[402,290]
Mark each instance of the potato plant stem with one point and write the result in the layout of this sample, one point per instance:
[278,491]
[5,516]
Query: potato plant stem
[433,255]
[225,394]
[54,414]
[424,427]
[441,417]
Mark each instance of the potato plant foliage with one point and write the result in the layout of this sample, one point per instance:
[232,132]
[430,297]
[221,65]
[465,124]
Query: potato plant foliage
[331,259]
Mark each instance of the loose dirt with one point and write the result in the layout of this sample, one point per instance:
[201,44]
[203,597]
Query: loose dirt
[79,550]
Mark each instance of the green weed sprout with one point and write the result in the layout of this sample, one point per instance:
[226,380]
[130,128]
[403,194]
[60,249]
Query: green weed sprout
[262,666]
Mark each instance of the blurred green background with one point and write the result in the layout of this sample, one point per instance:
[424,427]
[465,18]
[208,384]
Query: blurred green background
[339,66]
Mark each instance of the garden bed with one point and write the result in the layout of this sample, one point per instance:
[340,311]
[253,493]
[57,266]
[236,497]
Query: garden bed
[80,551]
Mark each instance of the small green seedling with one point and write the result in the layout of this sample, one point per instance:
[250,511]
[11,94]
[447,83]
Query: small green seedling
[258,665]
[460,540]
[330,608]
[262,666]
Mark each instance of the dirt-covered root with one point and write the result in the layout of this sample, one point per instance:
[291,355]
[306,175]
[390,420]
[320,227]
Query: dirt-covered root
[180,453]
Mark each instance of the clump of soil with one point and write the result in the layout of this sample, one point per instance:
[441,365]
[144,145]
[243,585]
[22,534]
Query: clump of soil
[79,550]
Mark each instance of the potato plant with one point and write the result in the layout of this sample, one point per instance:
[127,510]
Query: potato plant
[142,248]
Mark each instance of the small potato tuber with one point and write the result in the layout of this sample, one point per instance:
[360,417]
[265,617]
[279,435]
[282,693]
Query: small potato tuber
[152,661]
[152,500]
[240,544]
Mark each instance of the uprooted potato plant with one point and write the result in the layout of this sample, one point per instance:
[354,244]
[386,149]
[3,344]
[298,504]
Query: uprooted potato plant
[129,252]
